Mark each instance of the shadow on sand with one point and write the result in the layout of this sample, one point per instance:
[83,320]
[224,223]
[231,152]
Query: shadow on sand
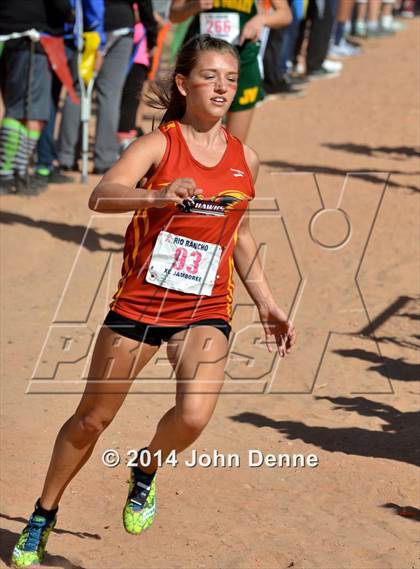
[398,439]
[66,232]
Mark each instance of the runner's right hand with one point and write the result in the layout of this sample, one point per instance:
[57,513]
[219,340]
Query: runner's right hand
[252,29]
[176,192]
[203,5]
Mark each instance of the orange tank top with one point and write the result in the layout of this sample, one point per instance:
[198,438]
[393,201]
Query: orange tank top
[178,265]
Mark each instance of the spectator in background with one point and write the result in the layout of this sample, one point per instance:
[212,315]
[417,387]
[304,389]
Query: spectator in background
[144,43]
[26,85]
[119,26]
[320,17]
[239,23]
[91,19]
[387,22]
[340,47]
[279,54]
[370,22]
[409,8]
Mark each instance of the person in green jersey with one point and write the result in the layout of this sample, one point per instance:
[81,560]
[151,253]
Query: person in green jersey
[240,23]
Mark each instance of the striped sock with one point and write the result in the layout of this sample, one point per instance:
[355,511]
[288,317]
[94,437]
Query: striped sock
[28,141]
[9,143]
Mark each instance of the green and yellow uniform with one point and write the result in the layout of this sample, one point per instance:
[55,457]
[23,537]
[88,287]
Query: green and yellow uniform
[250,90]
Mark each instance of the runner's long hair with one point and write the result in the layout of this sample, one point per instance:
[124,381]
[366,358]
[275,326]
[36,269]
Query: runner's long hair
[165,93]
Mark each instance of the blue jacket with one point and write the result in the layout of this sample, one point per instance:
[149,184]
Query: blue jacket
[89,17]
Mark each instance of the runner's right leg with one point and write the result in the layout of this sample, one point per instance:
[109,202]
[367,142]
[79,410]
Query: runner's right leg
[115,363]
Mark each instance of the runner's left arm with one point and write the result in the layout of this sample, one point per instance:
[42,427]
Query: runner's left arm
[277,327]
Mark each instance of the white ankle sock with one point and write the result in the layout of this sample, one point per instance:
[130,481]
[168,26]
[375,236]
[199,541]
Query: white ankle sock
[386,21]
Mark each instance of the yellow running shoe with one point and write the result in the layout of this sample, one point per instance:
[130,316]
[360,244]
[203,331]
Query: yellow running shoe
[30,548]
[140,508]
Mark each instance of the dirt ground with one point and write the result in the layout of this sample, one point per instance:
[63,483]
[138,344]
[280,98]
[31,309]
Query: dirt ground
[347,393]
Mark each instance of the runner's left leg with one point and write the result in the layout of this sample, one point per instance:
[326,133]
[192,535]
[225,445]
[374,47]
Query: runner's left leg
[198,357]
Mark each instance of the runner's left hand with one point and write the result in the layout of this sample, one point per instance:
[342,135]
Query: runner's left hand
[277,329]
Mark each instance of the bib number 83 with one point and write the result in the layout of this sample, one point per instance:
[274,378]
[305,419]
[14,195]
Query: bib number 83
[184,264]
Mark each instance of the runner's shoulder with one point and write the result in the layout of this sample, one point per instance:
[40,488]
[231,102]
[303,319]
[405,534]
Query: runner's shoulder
[152,144]
[155,141]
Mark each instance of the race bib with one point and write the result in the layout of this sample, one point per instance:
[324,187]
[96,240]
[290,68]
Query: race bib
[221,25]
[184,264]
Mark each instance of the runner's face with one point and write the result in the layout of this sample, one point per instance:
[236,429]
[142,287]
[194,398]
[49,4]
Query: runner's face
[211,86]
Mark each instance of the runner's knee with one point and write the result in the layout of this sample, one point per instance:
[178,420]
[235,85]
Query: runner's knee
[92,424]
[193,420]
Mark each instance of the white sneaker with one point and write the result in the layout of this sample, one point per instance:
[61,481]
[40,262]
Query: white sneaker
[397,26]
[407,14]
[334,66]
[299,69]
[344,49]
[360,29]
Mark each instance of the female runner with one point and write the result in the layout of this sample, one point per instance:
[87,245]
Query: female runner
[239,23]
[176,287]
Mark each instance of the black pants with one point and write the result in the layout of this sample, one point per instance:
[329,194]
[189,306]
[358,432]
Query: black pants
[319,35]
[130,99]
[272,55]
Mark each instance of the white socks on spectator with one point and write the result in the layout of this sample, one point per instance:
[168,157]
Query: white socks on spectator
[386,22]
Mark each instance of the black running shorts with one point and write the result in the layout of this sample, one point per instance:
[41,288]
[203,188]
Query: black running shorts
[155,335]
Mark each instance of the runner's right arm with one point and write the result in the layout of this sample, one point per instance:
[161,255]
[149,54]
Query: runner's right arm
[117,192]
[279,17]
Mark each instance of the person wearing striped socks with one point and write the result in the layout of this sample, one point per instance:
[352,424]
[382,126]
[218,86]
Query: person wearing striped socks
[25,85]
[18,140]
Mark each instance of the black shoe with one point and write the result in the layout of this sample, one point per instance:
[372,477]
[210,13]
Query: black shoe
[7,186]
[284,88]
[321,73]
[38,180]
[354,43]
[30,185]
[65,168]
[298,79]
[57,177]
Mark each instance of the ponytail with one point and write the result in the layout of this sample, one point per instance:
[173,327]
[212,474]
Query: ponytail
[166,96]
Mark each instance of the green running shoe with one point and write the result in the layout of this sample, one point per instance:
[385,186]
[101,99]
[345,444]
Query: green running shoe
[30,548]
[140,508]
